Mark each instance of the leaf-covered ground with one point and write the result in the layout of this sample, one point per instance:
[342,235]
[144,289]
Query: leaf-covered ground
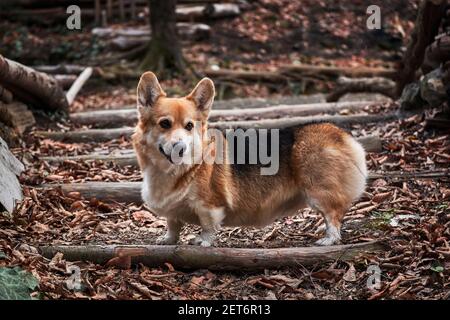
[413,217]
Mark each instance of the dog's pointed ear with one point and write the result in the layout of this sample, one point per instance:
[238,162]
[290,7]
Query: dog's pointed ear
[203,95]
[148,91]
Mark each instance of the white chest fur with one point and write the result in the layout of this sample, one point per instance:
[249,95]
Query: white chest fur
[158,191]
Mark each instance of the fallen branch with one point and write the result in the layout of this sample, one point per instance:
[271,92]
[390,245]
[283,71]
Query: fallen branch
[64,69]
[196,257]
[127,157]
[31,86]
[130,192]
[78,84]
[373,85]
[105,118]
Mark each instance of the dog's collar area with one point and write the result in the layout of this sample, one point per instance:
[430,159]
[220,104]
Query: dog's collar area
[168,157]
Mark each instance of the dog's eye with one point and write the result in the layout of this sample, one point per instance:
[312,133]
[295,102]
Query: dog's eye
[165,124]
[189,126]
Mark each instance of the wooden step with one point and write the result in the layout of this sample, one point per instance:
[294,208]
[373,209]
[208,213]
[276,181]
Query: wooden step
[102,135]
[130,192]
[127,157]
[120,117]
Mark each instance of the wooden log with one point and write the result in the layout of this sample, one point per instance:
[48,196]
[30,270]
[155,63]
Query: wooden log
[213,258]
[78,84]
[102,135]
[10,168]
[244,75]
[6,96]
[210,11]
[31,86]
[16,115]
[119,160]
[295,121]
[335,72]
[130,192]
[105,118]
[373,85]
[86,3]
[91,135]
[244,103]
[222,10]
[69,69]
[128,158]
[131,38]
[184,29]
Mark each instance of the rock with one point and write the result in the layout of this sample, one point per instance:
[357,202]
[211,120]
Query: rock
[10,168]
[433,89]
[411,98]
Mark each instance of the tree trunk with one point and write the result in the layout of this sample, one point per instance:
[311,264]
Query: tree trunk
[196,257]
[164,52]
[426,27]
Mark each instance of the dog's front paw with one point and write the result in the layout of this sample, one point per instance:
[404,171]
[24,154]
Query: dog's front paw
[201,241]
[327,241]
[167,239]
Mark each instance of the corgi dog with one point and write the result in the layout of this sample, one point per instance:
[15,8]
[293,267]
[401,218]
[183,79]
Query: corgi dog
[319,165]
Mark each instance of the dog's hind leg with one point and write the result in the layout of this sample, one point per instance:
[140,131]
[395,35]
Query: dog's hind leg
[333,210]
[173,232]
[333,222]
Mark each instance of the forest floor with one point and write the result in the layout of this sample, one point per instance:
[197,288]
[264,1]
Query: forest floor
[412,217]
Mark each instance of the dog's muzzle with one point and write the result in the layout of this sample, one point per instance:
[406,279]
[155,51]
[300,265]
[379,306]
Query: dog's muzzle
[179,147]
[168,157]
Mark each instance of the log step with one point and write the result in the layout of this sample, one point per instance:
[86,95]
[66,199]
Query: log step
[212,258]
[102,135]
[120,117]
[130,192]
[128,158]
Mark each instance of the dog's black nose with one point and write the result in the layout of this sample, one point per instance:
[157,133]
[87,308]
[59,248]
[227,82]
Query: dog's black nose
[179,147]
